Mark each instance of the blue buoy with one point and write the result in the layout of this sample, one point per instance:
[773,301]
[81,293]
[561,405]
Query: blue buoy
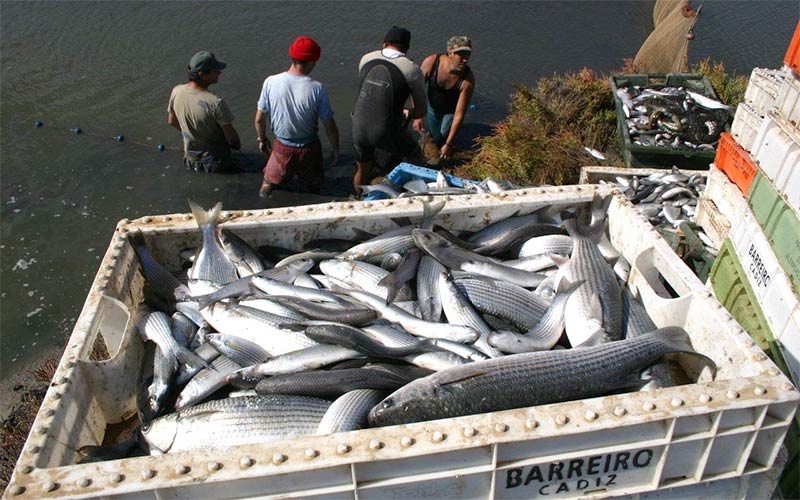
[160,147]
[120,138]
[77,130]
[38,124]
[473,107]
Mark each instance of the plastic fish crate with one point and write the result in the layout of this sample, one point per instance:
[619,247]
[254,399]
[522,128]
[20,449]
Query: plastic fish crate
[762,89]
[792,57]
[728,199]
[788,100]
[671,441]
[777,152]
[771,288]
[746,124]
[737,163]
[637,156]
[781,225]
[405,172]
[594,175]
[713,222]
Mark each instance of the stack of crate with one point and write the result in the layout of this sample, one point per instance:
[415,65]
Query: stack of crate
[752,204]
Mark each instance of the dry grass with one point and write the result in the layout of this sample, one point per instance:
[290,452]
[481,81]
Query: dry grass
[730,88]
[14,429]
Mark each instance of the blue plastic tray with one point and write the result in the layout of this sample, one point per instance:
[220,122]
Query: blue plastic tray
[405,172]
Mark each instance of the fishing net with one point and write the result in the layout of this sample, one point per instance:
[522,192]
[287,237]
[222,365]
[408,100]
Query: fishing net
[665,50]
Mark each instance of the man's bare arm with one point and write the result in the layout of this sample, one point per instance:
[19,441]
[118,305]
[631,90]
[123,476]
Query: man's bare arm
[231,136]
[173,120]
[332,131]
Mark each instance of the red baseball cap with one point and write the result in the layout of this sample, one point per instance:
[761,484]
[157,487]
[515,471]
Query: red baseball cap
[304,49]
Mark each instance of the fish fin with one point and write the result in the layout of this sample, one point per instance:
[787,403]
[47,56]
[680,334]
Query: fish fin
[559,260]
[680,343]
[401,221]
[187,357]
[203,216]
[566,287]
[136,239]
[443,378]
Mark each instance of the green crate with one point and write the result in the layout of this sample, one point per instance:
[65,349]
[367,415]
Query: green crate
[733,290]
[636,156]
[781,225]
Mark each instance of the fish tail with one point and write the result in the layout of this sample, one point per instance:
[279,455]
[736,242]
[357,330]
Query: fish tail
[205,217]
[679,342]
[390,282]
[566,287]
[136,239]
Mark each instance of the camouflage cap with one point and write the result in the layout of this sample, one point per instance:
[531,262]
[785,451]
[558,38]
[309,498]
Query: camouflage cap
[459,44]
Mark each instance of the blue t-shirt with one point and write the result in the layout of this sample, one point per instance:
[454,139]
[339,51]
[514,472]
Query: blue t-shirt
[294,103]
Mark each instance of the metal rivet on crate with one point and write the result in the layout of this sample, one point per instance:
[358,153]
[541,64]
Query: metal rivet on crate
[469,431]
[409,201]
[760,390]
[749,343]
[117,478]
[704,398]
[562,419]
[33,449]
[148,219]
[248,213]
[246,462]
[49,412]
[17,489]
[50,486]
[620,411]
[772,372]
[278,458]
[310,454]
[84,482]
[213,466]
[268,212]
[375,444]
[676,402]
[732,394]
[289,210]
[759,356]
[309,209]
[787,387]
[590,415]
[187,217]
[531,424]
[406,441]
[342,448]
[41,429]
[500,428]
[56,396]
[182,469]
[26,469]
[649,406]
[437,437]
[148,474]
[167,218]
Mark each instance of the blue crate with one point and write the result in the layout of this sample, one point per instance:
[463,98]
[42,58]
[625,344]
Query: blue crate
[405,172]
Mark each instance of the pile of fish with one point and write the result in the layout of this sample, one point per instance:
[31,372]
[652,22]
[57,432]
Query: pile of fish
[441,186]
[673,117]
[666,198]
[414,324]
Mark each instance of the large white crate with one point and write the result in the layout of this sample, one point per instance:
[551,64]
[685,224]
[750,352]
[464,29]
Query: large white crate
[745,126]
[725,194]
[724,431]
[600,174]
[771,286]
[762,89]
[788,100]
[777,151]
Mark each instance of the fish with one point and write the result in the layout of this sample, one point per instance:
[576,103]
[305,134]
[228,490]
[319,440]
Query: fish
[349,314]
[520,307]
[349,411]
[546,376]
[546,333]
[246,260]
[206,381]
[594,153]
[212,263]
[330,384]
[459,311]
[235,421]
[308,358]
[364,276]
[353,338]
[405,271]
[157,328]
[240,351]
[164,283]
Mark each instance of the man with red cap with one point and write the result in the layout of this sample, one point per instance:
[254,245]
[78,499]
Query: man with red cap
[293,103]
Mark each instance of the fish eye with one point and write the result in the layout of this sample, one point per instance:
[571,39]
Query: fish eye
[146,427]
[387,404]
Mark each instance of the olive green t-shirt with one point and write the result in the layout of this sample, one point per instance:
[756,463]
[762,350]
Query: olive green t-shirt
[201,116]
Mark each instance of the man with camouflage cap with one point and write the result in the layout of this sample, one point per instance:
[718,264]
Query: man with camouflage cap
[450,88]
[203,119]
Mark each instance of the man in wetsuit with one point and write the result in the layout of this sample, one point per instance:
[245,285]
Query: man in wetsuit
[388,77]
[450,87]
[294,103]
[203,119]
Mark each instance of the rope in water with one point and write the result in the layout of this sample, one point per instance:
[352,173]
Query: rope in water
[119,138]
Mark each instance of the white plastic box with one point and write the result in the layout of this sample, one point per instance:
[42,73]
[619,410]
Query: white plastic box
[709,437]
[788,100]
[762,89]
[777,151]
[745,126]
[771,286]
[714,224]
[725,194]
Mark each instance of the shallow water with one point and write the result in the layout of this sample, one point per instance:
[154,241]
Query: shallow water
[108,68]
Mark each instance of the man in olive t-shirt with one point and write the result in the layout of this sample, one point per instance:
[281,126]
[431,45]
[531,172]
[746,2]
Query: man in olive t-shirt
[204,119]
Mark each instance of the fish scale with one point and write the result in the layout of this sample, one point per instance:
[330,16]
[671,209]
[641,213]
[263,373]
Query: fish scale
[522,308]
[547,376]
[459,311]
[430,303]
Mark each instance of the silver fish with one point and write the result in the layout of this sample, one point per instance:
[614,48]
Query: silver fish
[363,276]
[206,382]
[459,311]
[212,263]
[308,358]
[246,260]
[235,421]
[349,411]
[546,376]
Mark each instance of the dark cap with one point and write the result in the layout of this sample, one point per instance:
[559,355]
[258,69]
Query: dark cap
[205,61]
[398,36]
